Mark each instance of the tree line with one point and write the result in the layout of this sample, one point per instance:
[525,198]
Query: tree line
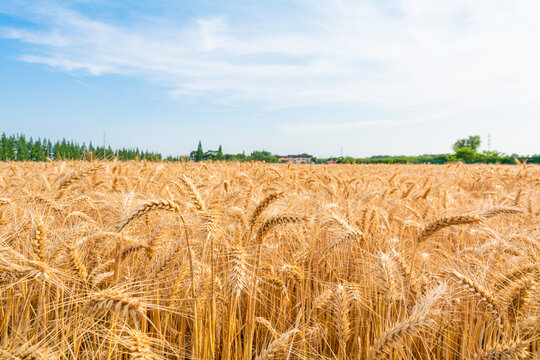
[20,148]
[218,155]
[465,150]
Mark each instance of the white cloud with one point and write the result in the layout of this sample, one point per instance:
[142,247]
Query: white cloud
[66,64]
[442,54]
[308,129]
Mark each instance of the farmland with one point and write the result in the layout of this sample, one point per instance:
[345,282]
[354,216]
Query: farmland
[141,260]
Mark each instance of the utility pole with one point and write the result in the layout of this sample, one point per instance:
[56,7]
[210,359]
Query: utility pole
[104,139]
[489,142]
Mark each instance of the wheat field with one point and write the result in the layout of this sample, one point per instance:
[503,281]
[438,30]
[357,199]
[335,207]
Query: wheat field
[140,260]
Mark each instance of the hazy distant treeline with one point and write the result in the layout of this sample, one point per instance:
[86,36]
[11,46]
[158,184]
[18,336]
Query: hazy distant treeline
[20,148]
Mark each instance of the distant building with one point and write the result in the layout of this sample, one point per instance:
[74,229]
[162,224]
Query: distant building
[283,160]
[299,159]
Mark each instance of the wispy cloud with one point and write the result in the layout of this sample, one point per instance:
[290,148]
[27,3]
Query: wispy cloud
[309,129]
[393,54]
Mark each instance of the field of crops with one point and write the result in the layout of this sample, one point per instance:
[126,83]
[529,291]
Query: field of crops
[257,261]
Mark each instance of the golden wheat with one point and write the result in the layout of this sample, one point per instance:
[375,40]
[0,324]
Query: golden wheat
[266,261]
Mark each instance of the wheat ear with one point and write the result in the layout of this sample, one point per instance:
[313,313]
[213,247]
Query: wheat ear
[352,234]
[28,352]
[76,176]
[263,205]
[39,241]
[481,294]
[519,298]
[111,299]
[501,211]
[266,324]
[193,193]
[160,204]
[510,350]
[238,278]
[277,345]
[140,346]
[517,275]
[278,220]
[342,307]
[445,222]
[383,346]
[77,262]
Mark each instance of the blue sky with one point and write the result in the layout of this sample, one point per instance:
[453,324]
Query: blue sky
[371,77]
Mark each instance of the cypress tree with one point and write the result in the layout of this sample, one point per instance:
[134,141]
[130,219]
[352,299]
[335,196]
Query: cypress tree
[3,147]
[219,153]
[22,148]
[200,153]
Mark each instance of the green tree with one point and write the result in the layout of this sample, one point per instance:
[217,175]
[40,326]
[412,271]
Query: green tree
[199,155]
[466,149]
[490,157]
[219,155]
[472,142]
[466,154]
[10,148]
[22,148]
[3,147]
[49,152]
[263,156]
[35,150]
